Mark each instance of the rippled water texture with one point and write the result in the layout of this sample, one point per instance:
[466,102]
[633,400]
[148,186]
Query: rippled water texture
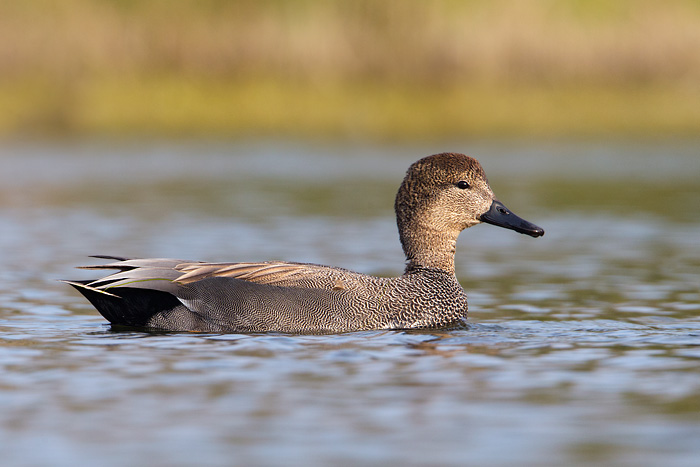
[584,345]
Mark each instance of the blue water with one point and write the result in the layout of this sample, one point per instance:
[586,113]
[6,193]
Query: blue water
[583,347]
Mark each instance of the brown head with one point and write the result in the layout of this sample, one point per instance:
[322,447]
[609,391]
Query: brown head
[440,196]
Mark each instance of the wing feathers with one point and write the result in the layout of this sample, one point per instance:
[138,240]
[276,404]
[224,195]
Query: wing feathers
[271,273]
[168,274]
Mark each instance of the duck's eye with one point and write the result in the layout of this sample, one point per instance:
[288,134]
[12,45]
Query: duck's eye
[463,185]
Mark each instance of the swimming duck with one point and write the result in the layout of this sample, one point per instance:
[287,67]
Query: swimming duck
[440,196]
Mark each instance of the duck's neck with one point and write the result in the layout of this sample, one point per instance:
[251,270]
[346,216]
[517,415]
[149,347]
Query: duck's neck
[426,246]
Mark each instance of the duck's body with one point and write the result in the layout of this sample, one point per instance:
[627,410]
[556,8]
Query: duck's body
[440,196]
[179,295]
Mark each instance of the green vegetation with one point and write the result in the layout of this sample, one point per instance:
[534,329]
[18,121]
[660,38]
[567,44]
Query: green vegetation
[363,69]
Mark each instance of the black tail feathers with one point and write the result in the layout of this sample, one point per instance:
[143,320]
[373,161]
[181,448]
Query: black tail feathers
[124,306]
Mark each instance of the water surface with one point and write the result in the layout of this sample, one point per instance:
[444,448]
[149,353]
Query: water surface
[583,347]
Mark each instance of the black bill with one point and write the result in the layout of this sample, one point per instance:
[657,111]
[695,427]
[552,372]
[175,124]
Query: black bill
[501,216]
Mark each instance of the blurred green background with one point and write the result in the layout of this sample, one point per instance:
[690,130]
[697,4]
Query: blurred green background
[362,69]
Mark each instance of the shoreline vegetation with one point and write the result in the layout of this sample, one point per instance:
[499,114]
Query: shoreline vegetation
[394,69]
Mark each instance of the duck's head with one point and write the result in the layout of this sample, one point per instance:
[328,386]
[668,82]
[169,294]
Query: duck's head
[449,192]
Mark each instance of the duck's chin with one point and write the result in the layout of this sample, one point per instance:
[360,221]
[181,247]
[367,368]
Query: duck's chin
[470,223]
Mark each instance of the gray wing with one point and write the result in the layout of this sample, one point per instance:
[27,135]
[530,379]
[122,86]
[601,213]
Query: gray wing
[149,273]
[167,274]
[284,274]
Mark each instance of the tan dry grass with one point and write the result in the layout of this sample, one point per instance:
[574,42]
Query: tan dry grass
[365,67]
[405,40]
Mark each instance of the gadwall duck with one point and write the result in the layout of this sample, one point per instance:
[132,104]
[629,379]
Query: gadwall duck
[440,196]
